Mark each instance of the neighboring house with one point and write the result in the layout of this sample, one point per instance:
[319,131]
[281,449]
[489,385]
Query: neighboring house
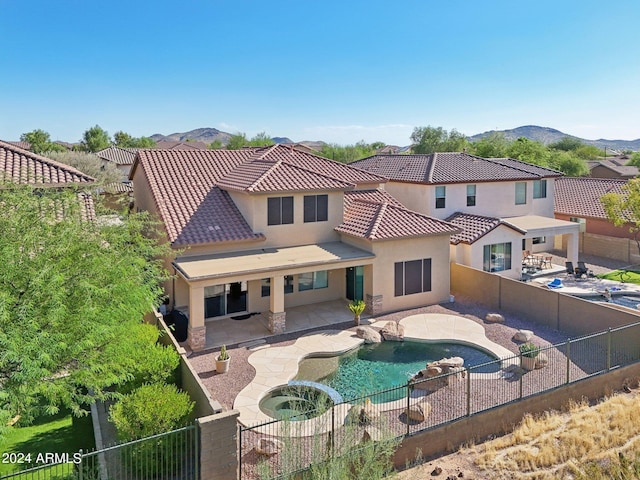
[122,158]
[503,206]
[24,167]
[169,145]
[265,229]
[21,144]
[613,167]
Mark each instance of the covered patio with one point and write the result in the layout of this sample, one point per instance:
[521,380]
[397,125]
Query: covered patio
[265,291]
[255,328]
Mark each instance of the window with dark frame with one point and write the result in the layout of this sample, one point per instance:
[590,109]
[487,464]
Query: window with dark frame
[279,210]
[441,193]
[471,195]
[540,189]
[521,193]
[412,277]
[316,208]
[288,284]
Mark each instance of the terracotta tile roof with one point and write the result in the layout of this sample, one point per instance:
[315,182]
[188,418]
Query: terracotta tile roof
[21,144]
[118,187]
[169,145]
[375,215]
[580,196]
[186,186]
[118,155]
[622,170]
[451,167]
[267,176]
[474,227]
[24,167]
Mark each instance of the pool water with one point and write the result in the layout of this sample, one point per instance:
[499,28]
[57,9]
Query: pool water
[377,367]
[630,302]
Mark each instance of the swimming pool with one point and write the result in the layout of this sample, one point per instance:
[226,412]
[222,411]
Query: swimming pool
[377,367]
[624,300]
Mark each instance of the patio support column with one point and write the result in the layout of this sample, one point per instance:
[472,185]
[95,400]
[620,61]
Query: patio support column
[277,315]
[373,302]
[572,248]
[197,330]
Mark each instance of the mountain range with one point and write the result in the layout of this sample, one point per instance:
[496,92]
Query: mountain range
[544,135]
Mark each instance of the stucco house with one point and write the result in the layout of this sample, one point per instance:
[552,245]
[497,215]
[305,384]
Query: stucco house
[502,206]
[122,158]
[577,199]
[265,229]
[23,167]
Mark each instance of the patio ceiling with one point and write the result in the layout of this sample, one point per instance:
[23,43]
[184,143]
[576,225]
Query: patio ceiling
[254,264]
[538,226]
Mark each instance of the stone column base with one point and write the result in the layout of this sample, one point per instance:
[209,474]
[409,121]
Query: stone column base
[197,338]
[373,304]
[277,322]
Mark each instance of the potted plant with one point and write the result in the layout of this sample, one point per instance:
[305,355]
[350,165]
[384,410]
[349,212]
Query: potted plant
[528,354]
[357,307]
[222,360]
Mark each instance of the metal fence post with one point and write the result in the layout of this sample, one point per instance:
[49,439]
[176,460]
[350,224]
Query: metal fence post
[468,391]
[568,360]
[333,431]
[81,464]
[521,377]
[408,406]
[608,349]
[240,453]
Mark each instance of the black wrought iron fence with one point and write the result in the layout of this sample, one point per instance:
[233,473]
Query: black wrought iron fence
[171,456]
[428,403]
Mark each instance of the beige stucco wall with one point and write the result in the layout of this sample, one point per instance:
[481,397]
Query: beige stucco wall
[391,251]
[493,199]
[254,209]
[474,254]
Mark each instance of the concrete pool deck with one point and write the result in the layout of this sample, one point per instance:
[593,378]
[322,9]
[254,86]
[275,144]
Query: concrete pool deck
[275,366]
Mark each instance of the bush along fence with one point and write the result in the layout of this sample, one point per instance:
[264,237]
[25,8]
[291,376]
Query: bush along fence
[320,430]
[172,456]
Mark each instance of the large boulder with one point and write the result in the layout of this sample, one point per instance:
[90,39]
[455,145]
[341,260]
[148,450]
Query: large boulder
[523,336]
[494,318]
[361,415]
[393,331]
[368,334]
[268,446]
[418,412]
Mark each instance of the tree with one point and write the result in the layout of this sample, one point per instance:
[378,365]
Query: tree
[124,140]
[95,139]
[634,160]
[103,172]
[348,153]
[436,139]
[215,145]
[237,141]
[568,163]
[529,151]
[567,144]
[40,142]
[261,140]
[494,145]
[71,294]
[624,208]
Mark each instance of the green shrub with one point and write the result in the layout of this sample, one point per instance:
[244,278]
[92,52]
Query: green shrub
[529,350]
[149,410]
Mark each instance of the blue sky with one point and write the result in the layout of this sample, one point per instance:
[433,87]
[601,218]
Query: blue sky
[338,71]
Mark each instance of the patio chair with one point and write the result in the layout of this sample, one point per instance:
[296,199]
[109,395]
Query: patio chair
[570,270]
[546,261]
[582,269]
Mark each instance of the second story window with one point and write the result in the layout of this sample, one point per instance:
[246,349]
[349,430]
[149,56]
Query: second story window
[279,210]
[540,189]
[521,193]
[441,193]
[471,195]
[316,208]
